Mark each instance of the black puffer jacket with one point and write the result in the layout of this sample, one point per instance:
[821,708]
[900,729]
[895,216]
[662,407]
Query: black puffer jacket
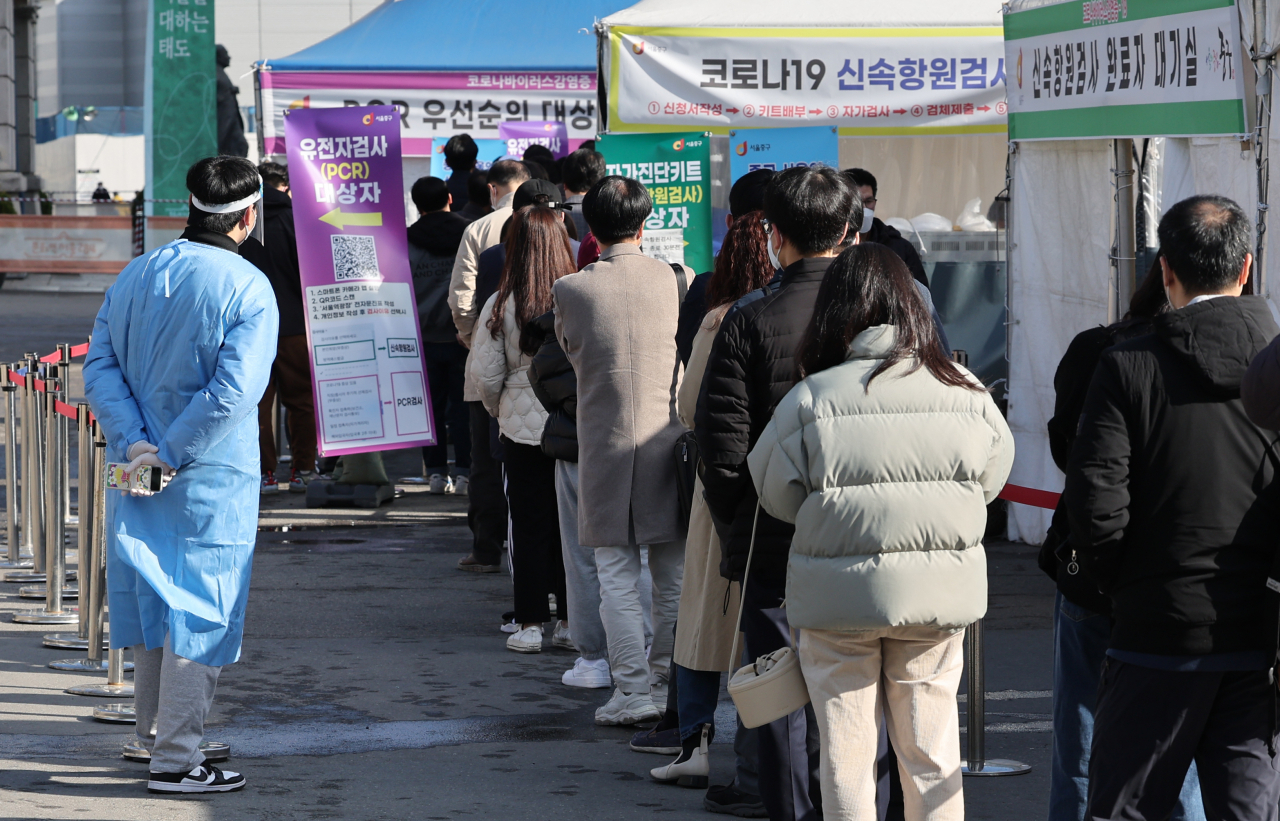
[1071,385]
[556,386]
[751,367]
[433,244]
[1172,491]
[281,244]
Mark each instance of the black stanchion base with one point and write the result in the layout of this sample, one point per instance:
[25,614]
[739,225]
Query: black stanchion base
[995,767]
[336,494]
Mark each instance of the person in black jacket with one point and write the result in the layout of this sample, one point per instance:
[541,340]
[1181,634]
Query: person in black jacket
[277,257]
[433,244]
[874,230]
[460,154]
[1082,615]
[751,367]
[1172,498]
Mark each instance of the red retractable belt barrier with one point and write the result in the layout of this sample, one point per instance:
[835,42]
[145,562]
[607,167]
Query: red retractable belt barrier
[1030,496]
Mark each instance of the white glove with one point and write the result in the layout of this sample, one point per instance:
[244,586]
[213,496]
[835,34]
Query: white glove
[144,453]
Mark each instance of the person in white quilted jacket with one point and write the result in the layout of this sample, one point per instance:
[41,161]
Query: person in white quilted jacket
[537,255]
[885,456]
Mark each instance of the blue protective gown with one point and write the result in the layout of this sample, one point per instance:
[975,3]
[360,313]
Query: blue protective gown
[181,354]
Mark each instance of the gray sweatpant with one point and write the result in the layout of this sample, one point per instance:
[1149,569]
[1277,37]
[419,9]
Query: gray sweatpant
[172,697]
[622,613]
[581,579]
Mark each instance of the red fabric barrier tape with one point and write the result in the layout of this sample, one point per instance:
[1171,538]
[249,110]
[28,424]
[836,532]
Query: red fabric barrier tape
[39,385]
[79,350]
[1030,496]
[56,356]
[66,410]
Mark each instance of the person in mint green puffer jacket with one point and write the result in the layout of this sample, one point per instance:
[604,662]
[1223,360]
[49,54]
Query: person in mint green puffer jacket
[884,456]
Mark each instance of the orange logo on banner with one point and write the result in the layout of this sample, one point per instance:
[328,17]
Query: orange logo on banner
[1019,68]
[367,119]
[638,48]
[678,145]
[741,149]
[305,102]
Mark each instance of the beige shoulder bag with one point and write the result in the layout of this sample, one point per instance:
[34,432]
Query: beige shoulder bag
[772,687]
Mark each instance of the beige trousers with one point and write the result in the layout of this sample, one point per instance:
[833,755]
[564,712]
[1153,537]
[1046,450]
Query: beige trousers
[907,677]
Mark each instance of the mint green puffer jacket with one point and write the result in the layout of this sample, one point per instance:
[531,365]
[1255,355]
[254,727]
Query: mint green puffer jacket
[888,491]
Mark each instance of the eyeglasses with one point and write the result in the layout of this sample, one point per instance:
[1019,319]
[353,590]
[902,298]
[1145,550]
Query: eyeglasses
[869,202]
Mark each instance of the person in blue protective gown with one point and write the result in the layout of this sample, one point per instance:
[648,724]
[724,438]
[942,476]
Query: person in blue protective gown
[180,356]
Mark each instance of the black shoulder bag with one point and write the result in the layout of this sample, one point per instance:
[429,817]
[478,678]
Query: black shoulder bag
[686,448]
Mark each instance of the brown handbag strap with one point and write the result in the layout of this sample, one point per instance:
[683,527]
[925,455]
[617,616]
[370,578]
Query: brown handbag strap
[742,593]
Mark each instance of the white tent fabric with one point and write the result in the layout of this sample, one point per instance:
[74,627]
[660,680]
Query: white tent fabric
[1265,15]
[1059,285]
[809,14]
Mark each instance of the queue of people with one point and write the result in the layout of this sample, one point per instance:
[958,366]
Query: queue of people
[844,465]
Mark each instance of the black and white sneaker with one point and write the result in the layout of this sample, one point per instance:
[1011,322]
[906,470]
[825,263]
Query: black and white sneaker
[205,778]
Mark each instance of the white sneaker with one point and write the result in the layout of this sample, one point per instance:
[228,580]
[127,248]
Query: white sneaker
[592,675]
[658,694]
[460,485]
[438,484]
[510,627]
[627,709]
[528,640]
[561,638]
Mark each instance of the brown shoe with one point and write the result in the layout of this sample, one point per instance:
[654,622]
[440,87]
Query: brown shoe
[473,565]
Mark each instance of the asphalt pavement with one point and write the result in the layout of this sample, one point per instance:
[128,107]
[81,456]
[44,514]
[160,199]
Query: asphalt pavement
[375,683]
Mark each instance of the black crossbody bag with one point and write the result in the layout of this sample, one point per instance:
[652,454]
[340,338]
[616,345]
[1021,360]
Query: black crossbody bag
[686,447]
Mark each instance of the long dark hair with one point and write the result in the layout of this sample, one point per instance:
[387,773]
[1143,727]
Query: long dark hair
[743,262]
[1149,298]
[538,253]
[869,285]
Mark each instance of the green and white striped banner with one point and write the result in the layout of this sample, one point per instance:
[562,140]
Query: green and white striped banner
[1125,68]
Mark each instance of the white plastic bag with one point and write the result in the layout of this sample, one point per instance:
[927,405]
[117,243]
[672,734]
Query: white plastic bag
[931,222]
[972,218]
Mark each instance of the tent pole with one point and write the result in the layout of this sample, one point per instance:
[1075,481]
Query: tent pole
[1124,257]
[1262,154]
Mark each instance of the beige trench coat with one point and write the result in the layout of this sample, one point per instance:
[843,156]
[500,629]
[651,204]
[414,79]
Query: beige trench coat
[616,320]
[704,628]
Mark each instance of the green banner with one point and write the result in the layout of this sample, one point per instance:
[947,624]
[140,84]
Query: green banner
[676,168]
[181,98]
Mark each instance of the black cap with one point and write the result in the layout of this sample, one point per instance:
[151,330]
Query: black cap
[537,192]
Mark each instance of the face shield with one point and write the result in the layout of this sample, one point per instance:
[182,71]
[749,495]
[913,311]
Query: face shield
[254,200]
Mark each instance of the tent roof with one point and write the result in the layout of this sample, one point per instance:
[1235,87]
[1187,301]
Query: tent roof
[447,35]
[809,13]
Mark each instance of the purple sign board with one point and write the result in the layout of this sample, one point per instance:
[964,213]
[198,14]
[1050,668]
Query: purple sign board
[362,319]
[520,135]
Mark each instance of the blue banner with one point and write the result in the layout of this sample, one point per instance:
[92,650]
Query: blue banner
[490,152]
[781,148]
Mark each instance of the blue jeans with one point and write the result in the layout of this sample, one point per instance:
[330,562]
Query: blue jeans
[698,692]
[1080,639]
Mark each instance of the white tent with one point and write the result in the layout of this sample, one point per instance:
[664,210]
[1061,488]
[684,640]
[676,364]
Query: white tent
[918,174]
[1061,232]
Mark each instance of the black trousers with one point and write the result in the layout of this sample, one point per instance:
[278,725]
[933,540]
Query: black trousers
[486,501]
[1151,724]
[537,562]
[446,364]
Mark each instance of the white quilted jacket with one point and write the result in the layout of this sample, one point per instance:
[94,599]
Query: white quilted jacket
[500,372]
[888,491]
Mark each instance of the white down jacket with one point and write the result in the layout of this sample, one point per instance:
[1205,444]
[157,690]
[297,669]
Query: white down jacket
[500,373]
[888,491]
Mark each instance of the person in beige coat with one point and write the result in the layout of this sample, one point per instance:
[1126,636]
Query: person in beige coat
[502,349]
[616,320]
[884,456]
[708,602]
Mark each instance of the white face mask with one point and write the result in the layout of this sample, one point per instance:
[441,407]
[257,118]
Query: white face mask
[868,219]
[773,255]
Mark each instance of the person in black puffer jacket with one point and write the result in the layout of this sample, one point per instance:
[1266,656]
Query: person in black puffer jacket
[1082,615]
[1174,508]
[556,386]
[751,367]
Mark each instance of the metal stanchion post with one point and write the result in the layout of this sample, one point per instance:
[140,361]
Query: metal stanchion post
[115,686]
[55,530]
[976,762]
[64,464]
[55,548]
[32,539]
[16,559]
[93,557]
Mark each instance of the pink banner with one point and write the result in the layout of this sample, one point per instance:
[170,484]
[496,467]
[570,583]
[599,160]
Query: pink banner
[473,80]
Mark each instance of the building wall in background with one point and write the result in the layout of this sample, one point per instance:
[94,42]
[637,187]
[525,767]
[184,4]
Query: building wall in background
[78,162]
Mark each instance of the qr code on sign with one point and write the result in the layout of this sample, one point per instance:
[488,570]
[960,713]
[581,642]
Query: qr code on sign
[354,257]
